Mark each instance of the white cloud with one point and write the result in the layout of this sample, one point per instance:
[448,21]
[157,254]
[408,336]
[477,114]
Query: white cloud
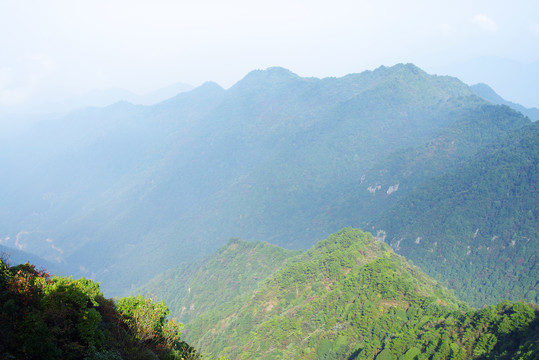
[11,92]
[485,23]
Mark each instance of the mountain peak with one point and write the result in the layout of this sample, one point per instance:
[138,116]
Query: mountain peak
[208,86]
[274,72]
[486,92]
[208,89]
[270,77]
[401,67]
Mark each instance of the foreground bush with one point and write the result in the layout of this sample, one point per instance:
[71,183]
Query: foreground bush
[44,317]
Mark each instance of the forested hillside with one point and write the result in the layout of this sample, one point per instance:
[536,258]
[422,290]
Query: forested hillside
[476,227]
[348,297]
[474,126]
[276,158]
[352,297]
[191,289]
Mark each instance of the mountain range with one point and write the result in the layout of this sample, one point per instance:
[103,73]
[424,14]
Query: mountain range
[125,192]
[486,92]
[476,226]
[513,80]
[157,199]
[56,105]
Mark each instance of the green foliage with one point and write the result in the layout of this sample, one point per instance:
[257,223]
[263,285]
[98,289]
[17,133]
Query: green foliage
[146,320]
[63,318]
[411,354]
[87,326]
[351,297]
[235,269]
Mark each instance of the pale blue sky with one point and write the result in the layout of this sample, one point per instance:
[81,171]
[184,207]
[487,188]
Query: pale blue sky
[63,48]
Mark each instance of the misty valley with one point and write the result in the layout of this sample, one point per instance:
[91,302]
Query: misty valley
[387,214]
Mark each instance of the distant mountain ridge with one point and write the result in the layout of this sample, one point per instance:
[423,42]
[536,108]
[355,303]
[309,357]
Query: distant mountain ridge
[14,257]
[514,80]
[95,98]
[486,92]
[276,158]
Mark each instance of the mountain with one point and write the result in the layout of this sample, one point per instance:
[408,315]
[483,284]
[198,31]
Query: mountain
[512,79]
[62,170]
[192,289]
[125,192]
[276,158]
[57,105]
[472,127]
[161,94]
[476,227]
[351,297]
[486,92]
[403,171]
[348,297]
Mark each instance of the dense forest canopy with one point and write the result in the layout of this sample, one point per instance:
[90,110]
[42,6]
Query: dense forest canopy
[352,297]
[476,227]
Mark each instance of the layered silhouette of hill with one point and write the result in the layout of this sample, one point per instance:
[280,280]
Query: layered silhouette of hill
[486,92]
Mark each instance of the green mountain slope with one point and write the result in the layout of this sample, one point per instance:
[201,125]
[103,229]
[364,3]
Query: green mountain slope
[352,297]
[476,227]
[192,289]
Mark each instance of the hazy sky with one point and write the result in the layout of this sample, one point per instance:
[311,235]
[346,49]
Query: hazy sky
[68,47]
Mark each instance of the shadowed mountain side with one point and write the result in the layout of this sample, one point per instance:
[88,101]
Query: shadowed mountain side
[16,257]
[476,227]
